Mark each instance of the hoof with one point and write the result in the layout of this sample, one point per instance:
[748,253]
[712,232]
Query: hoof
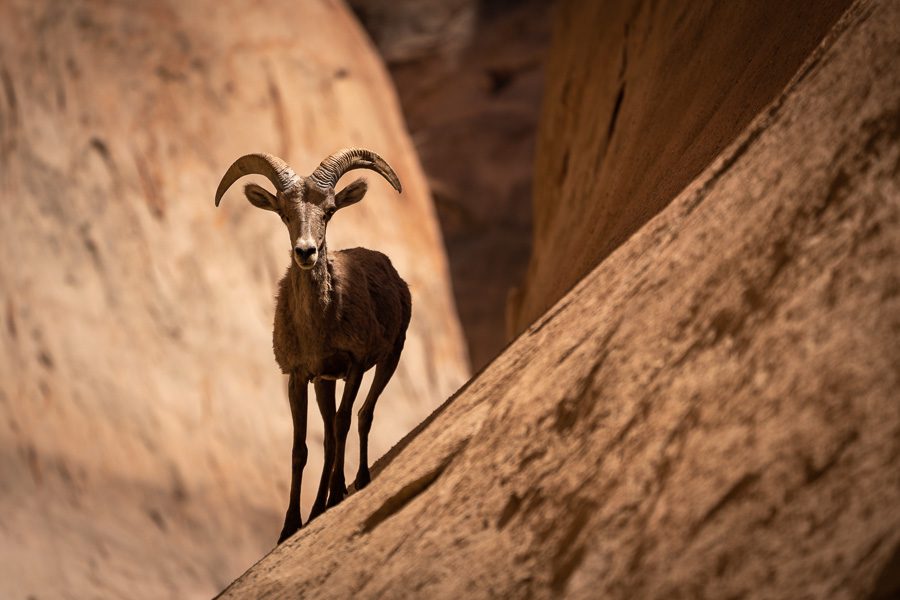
[336,496]
[288,531]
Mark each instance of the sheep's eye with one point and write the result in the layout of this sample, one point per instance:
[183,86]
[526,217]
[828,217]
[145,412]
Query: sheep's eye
[329,212]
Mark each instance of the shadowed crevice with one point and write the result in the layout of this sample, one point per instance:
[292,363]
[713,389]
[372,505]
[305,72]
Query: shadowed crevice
[404,496]
[615,113]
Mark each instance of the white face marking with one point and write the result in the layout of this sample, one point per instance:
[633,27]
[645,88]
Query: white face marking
[304,266]
[306,223]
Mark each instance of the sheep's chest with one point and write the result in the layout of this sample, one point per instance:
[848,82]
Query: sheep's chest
[311,346]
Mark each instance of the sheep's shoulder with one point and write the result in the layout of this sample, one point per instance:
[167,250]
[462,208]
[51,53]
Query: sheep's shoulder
[367,275]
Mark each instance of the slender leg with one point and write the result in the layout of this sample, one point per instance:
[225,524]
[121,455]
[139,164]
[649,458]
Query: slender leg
[297,395]
[325,400]
[341,428]
[383,373]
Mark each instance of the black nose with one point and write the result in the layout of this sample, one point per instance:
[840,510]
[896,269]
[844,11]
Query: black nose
[305,253]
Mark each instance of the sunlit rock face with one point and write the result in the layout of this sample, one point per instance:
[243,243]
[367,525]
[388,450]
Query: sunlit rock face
[144,424]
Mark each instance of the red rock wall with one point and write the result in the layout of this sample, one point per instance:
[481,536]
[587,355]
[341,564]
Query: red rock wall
[144,424]
[640,98]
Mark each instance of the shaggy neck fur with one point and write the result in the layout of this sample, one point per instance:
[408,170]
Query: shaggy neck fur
[313,288]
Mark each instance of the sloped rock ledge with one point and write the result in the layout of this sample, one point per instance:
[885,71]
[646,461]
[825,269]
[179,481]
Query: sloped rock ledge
[712,412]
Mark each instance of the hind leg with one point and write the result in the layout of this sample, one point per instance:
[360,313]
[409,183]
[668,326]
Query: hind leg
[338,489]
[383,373]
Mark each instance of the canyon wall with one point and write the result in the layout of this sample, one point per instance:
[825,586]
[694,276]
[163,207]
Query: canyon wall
[144,424]
[469,75]
[710,413]
[641,97]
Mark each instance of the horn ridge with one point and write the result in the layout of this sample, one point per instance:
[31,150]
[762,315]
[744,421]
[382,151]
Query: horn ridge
[333,167]
[271,167]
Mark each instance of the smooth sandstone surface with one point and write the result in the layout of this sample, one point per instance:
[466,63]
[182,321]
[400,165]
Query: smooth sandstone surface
[711,413]
[144,423]
[640,98]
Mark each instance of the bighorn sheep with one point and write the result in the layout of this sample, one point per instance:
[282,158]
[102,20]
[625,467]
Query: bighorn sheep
[337,315]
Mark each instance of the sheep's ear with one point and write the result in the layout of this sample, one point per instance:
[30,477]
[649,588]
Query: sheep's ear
[260,197]
[351,194]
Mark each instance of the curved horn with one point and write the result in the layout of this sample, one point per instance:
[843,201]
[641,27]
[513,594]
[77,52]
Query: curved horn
[330,170]
[276,170]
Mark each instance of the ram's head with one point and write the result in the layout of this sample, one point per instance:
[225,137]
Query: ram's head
[306,204]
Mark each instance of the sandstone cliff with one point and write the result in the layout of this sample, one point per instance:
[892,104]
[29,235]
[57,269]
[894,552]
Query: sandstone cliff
[640,98]
[144,425]
[711,413]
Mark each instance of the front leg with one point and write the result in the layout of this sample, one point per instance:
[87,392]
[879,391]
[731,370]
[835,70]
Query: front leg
[297,395]
[325,400]
[341,427]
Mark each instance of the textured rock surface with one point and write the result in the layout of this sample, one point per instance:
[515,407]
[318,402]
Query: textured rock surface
[144,425]
[640,98]
[711,413]
[469,76]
